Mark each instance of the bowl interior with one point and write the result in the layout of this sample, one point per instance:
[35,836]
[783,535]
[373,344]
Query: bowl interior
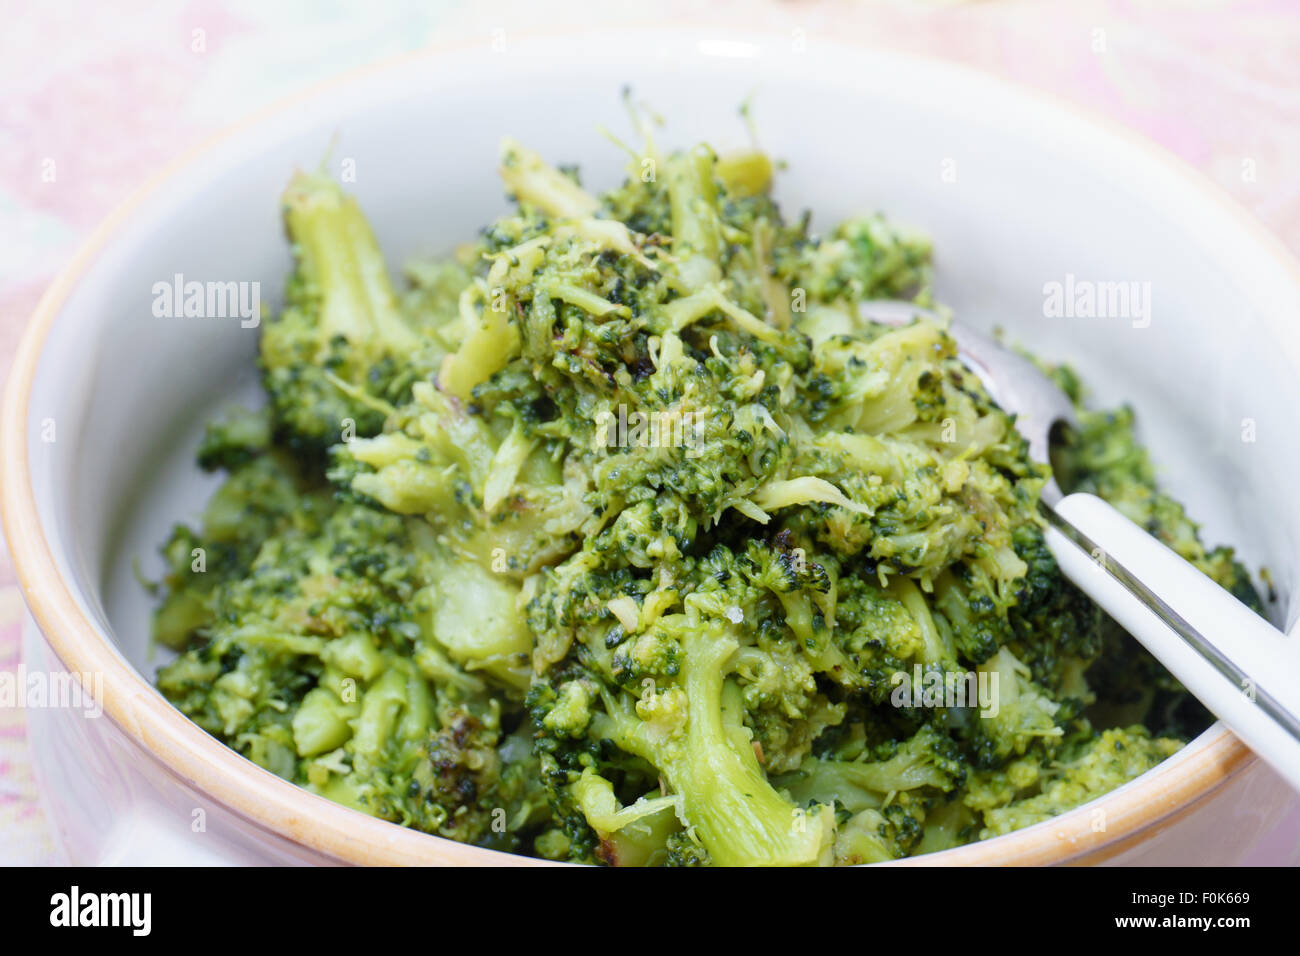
[1015,195]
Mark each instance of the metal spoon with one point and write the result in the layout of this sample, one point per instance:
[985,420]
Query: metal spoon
[1238,665]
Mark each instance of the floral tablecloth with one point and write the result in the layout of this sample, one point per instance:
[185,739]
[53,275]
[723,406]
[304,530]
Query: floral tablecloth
[95,98]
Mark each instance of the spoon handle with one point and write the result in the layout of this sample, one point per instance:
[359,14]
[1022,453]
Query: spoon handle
[1242,668]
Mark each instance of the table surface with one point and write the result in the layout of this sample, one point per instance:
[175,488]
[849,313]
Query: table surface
[98,97]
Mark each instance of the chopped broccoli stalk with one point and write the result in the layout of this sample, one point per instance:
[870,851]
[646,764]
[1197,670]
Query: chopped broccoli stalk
[322,722]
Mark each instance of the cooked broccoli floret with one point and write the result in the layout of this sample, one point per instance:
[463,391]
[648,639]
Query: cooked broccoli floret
[341,353]
[695,737]
[239,438]
[1095,767]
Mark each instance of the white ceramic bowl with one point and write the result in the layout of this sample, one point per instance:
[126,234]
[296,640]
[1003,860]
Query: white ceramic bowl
[1016,191]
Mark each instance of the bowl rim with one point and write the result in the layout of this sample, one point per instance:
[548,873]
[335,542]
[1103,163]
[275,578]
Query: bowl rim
[1133,812]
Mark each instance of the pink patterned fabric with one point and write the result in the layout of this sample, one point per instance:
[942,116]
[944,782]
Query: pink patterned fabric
[99,97]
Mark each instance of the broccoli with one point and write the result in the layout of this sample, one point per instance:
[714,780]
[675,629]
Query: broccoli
[341,353]
[1102,763]
[239,438]
[620,537]
[687,731]
[322,660]
[262,495]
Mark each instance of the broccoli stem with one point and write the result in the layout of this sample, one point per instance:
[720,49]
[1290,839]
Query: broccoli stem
[693,198]
[736,814]
[339,257]
[532,180]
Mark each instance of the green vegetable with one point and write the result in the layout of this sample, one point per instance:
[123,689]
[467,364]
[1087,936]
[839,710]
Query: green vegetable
[341,351]
[620,537]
